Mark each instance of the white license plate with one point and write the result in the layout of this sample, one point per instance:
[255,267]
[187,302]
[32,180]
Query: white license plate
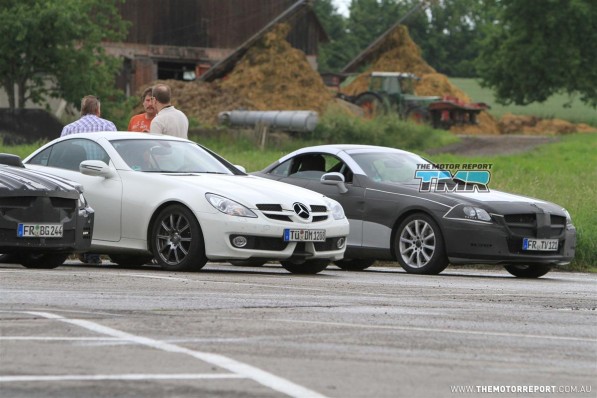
[39,231]
[543,245]
[304,235]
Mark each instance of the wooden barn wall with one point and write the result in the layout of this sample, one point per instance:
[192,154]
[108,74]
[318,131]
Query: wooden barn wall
[210,23]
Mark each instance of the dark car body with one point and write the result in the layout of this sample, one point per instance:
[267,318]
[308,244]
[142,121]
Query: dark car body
[394,217]
[43,218]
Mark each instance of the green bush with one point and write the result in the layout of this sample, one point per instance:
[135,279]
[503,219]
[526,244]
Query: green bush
[336,127]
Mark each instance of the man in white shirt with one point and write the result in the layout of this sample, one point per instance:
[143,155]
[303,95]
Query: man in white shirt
[169,120]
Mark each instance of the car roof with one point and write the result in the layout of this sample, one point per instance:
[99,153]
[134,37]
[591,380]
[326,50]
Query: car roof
[337,148]
[113,135]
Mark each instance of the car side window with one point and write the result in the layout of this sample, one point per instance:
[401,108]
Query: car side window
[283,169]
[313,166]
[69,154]
[42,158]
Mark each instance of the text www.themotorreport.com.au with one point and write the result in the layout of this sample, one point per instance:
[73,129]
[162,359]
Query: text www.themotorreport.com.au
[491,389]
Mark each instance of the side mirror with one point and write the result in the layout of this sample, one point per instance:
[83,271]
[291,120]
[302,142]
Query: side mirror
[11,160]
[336,179]
[95,168]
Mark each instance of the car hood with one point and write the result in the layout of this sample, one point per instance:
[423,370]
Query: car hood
[496,196]
[493,201]
[18,181]
[507,203]
[250,190]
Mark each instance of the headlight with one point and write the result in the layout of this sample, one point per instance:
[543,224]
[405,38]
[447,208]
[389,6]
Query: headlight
[471,213]
[568,217]
[476,213]
[228,206]
[82,201]
[336,208]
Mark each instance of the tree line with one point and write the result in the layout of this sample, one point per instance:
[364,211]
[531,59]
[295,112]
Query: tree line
[524,50]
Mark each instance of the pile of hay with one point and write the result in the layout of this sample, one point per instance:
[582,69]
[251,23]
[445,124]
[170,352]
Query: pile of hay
[202,101]
[272,75]
[275,76]
[532,125]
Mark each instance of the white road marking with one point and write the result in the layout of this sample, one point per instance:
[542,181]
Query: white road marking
[239,369]
[438,330]
[48,338]
[7,379]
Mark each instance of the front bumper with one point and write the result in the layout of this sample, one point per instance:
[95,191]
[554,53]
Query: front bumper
[470,243]
[265,239]
[77,227]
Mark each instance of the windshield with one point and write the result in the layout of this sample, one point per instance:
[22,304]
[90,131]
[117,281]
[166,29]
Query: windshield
[160,156]
[390,166]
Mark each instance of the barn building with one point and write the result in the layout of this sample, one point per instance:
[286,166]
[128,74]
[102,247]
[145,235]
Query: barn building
[190,39]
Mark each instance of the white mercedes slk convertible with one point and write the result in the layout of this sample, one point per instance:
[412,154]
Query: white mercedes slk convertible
[178,202]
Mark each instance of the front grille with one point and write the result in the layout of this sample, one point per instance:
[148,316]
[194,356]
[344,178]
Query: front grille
[269,207]
[522,224]
[535,225]
[64,203]
[17,202]
[520,218]
[558,225]
[544,226]
[279,217]
[275,212]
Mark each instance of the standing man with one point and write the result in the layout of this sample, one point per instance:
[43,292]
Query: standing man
[90,119]
[142,121]
[169,120]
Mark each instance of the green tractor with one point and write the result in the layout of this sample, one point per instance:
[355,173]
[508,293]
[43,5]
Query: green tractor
[393,92]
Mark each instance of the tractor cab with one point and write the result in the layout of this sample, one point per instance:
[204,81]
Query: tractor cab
[392,82]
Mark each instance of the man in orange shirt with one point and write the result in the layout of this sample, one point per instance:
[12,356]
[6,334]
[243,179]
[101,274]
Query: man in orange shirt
[142,121]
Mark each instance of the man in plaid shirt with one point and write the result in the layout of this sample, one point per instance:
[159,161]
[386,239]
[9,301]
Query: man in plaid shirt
[90,119]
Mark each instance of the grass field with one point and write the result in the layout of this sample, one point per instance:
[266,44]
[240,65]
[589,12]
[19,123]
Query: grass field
[552,108]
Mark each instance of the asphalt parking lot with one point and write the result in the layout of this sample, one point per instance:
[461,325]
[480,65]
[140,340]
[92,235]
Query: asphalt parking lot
[109,331]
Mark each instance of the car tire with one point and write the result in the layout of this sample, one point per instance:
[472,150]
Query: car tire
[528,271]
[131,260]
[309,267]
[248,263]
[42,260]
[8,258]
[354,264]
[177,241]
[419,245]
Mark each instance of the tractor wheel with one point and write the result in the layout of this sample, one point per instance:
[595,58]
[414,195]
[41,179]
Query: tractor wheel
[371,103]
[419,115]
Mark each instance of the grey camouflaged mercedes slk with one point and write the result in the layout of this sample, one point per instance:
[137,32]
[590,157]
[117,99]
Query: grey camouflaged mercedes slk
[42,218]
[393,216]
